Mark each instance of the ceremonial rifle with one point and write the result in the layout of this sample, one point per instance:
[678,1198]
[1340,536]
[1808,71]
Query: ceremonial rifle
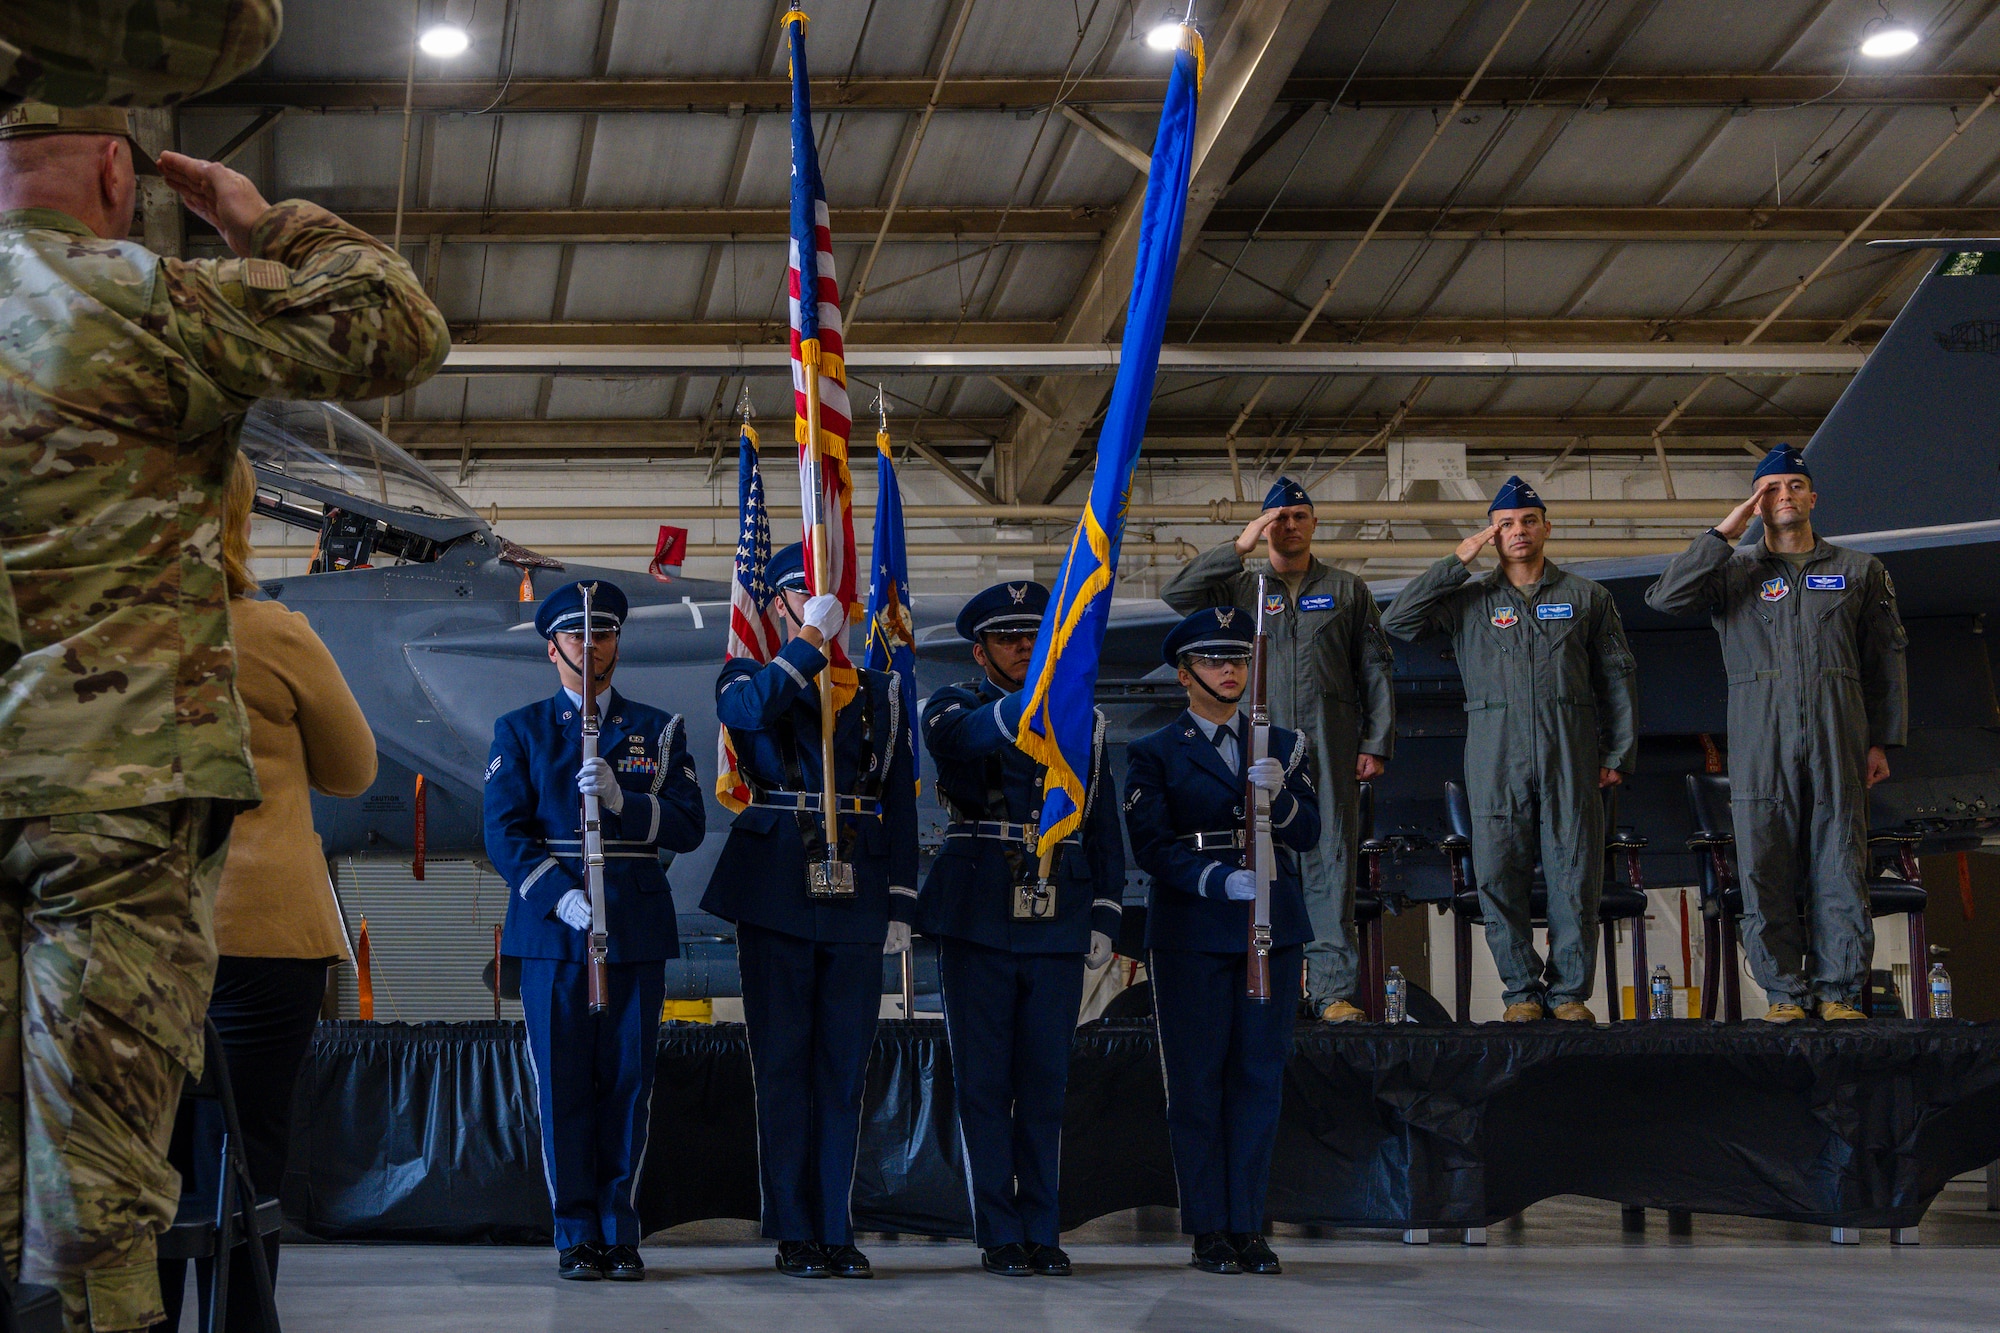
[1258,855]
[593,833]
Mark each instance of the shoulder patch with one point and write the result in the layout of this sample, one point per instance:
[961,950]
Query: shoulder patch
[266,275]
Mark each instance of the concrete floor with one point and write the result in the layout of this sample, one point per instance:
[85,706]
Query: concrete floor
[1563,1266]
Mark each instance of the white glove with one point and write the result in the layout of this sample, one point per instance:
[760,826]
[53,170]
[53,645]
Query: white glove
[826,614]
[1268,775]
[574,909]
[898,940]
[1100,950]
[1241,886]
[596,779]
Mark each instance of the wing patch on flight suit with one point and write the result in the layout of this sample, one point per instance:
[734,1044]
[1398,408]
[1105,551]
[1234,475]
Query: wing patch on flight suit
[1826,583]
[1555,611]
[1319,601]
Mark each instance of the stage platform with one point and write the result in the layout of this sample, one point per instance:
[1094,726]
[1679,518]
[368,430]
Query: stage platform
[1564,1268]
[426,1132]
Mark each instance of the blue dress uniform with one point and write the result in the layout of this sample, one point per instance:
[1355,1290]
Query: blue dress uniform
[1012,987]
[1224,1054]
[593,1072]
[812,968]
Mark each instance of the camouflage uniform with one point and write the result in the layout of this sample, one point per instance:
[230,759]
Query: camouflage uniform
[129,52]
[124,378]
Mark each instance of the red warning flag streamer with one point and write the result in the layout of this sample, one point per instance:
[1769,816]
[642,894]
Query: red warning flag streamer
[364,977]
[420,832]
[669,553]
[1965,884]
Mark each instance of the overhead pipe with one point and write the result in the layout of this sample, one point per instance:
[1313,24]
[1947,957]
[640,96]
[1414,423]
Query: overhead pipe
[1385,549]
[1214,511]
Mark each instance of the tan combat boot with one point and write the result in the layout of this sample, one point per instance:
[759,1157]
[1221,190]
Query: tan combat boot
[1575,1011]
[1342,1011]
[1527,1011]
[1784,1013]
[1838,1011]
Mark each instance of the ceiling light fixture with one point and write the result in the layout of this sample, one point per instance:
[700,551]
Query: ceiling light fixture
[1166,37]
[1889,42]
[444,41]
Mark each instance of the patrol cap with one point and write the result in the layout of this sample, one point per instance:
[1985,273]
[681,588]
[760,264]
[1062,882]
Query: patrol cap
[28,119]
[562,613]
[1213,631]
[1285,492]
[1516,494]
[1781,461]
[1004,608]
[787,568]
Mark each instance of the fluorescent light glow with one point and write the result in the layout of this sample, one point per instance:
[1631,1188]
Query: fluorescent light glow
[1166,37]
[1889,42]
[444,41]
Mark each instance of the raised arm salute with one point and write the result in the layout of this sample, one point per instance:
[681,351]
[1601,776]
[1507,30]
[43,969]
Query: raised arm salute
[1329,676]
[1817,696]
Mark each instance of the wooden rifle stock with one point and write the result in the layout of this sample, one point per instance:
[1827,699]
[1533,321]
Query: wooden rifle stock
[599,948]
[1257,853]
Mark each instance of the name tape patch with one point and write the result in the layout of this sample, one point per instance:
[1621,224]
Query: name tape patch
[1319,601]
[1826,583]
[1555,611]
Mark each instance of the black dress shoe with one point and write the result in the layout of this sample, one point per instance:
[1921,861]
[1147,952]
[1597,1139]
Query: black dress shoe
[1214,1254]
[1048,1261]
[1006,1260]
[802,1258]
[846,1261]
[580,1263]
[623,1264]
[1253,1254]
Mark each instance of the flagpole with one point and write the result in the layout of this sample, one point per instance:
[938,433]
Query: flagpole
[815,510]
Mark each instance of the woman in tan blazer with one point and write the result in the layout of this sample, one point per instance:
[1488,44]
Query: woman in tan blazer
[277,926]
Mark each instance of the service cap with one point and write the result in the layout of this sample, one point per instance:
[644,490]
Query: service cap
[28,119]
[787,569]
[562,612]
[1213,631]
[1004,608]
[1516,494]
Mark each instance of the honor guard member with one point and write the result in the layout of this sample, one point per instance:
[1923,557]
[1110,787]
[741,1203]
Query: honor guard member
[1817,694]
[1551,708]
[124,746]
[1328,675]
[812,967]
[1224,1053]
[1011,957]
[593,1072]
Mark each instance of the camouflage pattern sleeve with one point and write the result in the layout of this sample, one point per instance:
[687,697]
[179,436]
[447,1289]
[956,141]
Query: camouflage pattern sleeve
[10,625]
[129,52]
[322,311]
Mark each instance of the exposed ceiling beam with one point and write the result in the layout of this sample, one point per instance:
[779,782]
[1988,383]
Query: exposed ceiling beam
[1085,225]
[1475,333]
[1100,360]
[628,433]
[738,96]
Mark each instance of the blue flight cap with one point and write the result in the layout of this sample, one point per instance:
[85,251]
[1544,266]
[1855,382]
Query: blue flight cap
[1782,459]
[562,611]
[787,569]
[1213,631]
[1285,492]
[1004,608]
[1516,494]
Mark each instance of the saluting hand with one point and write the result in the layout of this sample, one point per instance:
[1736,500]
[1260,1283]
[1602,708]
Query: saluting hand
[1739,518]
[1469,549]
[1253,531]
[224,199]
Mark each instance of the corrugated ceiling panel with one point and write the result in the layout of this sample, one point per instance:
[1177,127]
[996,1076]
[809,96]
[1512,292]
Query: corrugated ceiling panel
[635,282]
[536,166]
[497,282]
[597,398]
[645,161]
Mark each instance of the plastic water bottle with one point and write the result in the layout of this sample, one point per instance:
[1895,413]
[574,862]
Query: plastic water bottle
[1662,988]
[1940,992]
[1396,997]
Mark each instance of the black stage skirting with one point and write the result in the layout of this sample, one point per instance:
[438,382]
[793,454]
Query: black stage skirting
[427,1132]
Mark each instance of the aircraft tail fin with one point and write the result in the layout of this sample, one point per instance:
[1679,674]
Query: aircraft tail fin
[1915,440]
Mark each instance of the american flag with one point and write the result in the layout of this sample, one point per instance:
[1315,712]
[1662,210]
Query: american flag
[751,631]
[815,310]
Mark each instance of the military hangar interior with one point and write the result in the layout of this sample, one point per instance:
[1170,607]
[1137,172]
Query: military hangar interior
[1616,247]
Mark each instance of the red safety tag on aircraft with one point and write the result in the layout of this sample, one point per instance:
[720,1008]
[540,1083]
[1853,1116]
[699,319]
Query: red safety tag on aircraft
[669,553]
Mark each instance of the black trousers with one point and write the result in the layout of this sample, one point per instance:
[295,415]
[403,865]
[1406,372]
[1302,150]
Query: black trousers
[265,1010]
